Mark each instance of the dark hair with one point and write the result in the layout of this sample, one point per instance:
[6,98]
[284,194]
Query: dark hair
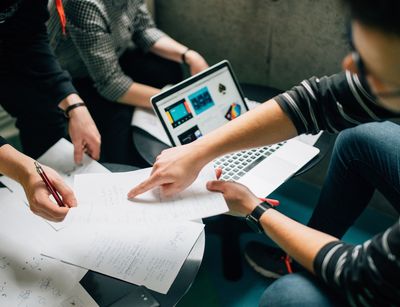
[383,15]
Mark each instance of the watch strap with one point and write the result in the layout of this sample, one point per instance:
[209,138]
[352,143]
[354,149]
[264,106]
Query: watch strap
[253,219]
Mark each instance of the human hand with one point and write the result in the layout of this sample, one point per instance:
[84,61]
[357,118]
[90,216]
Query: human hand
[38,195]
[240,200]
[196,62]
[84,134]
[174,170]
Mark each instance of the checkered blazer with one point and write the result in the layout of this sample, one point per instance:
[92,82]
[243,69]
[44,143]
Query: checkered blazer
[98,33]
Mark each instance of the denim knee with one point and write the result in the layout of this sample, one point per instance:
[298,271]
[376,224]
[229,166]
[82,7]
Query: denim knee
[368,142]
[300,289]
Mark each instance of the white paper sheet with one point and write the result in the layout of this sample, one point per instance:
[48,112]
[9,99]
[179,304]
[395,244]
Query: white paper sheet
[26,277]
[78,297]
[149,256]
[61,158]
[146,120]
[103,199]
[309,139]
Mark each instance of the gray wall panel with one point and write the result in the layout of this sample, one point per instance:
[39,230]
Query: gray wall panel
[276,43]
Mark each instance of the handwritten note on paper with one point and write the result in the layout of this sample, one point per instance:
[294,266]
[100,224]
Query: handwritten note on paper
[26,277]
[149,122]
[149,256]
[102,198]
[61,158]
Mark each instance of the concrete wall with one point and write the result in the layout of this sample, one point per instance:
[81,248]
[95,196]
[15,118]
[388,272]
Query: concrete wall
[269,42]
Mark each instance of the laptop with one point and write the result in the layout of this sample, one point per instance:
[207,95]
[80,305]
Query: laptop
[207,101]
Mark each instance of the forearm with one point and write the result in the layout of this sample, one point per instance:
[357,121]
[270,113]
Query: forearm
[15,164]
[139,95]
[265,125]
[301,242]
[169,48]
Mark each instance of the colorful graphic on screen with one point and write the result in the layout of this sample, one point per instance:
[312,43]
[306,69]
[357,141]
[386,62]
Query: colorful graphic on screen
[190,135]
[201,100]
[233,111]
[178,113]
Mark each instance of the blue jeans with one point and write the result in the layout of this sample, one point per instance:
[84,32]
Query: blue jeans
[365,158]
[299,290]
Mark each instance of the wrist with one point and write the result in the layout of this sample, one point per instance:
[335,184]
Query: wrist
[25,170]
[184,56]
[254,217]
[189,57]
[68,101]
[74,108]
[250,205]
[203,151]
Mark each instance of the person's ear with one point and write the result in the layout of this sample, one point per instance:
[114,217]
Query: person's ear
[348,63]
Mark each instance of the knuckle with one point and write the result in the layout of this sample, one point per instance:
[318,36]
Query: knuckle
[161,173]
[56,215]
[34,209]
[35,200]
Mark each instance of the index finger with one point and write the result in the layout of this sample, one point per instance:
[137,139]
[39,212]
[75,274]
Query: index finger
[78,152]
[67,194]
[153,181]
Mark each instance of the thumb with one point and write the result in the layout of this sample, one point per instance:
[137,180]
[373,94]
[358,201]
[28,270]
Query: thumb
[216,186]
[218,172]
[66,193]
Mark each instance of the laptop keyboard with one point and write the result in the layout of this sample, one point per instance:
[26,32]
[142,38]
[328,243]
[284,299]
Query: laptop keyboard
[237,164]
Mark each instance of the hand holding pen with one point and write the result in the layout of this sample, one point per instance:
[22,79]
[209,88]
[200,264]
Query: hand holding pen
[49,185]
[42,183]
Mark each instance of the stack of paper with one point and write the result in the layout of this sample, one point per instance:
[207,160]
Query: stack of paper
[103,198]
[151,256]
[26,277]
[144,241]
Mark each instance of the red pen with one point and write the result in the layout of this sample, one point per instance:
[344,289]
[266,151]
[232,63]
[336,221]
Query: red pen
[272,202]
[48,184]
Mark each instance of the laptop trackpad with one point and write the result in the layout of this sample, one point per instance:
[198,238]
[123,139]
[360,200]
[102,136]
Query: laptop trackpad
[268,175]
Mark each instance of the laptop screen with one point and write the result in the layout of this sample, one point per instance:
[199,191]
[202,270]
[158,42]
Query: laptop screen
[200,104]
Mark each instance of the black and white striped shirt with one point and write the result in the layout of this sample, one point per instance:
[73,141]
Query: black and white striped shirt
[366,274]
[98,33]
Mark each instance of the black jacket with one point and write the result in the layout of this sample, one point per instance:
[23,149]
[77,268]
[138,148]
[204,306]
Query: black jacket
[25,52]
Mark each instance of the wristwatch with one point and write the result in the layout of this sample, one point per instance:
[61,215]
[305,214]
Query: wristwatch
[253,219]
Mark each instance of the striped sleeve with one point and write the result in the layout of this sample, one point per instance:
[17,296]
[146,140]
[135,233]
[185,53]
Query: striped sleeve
[331,103]
[366,274]
[145,33]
